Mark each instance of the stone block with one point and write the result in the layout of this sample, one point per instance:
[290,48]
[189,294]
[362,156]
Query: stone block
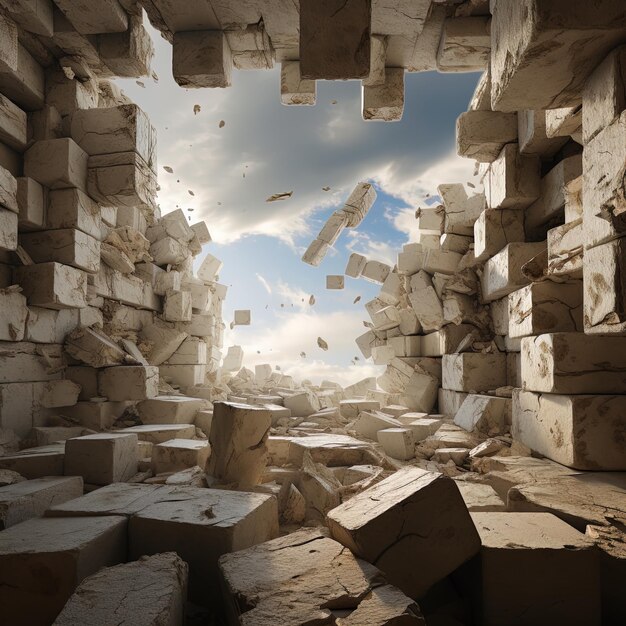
[31,204]
[170,409]
[473,371]
[531,130]
[159,433]
[385,102]
[13,314]
[566,249]
[398,443]
[52,285]
[184,375]
[129,382]
[543,52]
[57,164]
[465,44]
[565,584]
[122,128]
[201,58]
[102,458]
[8,230]
[334,282]
[369,424]
[177,307]
[495,229]
[43,560]
[30,498]
[92,347]
[480,498]
[576,431]
[502,273]
[444,341]
[351,408]
[335,39]
[67,246]
[157,584]
[295,90]
[176,455]
[481,135]
[208,524]
[71,208]
[36,462]
[238,443]
[574,363]
[413,514]
[546,307]
[489,415]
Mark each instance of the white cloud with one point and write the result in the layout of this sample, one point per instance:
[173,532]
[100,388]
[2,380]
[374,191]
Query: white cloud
[294,333]
[293,296]
[370,248]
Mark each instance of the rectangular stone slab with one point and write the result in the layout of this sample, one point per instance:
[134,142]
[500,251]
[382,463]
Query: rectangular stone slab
[574,363]
[202,527]
[155,585]
[584,432]
[30,498]
[43,560]
[565,583]
[411,517]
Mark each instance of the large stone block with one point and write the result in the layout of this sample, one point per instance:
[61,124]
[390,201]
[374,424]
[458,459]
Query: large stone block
[43,560]
[311,573]
[581,432]
[67,246]
[546,307]
[565,582]
[473,371]
[176,455]
[155,585]
[129,382]
[53,285]
[57,163]
[335,39]
[494,229]
[201,58]
[412,516]
[238,443]
[30,498]
[574,363]
[544,50]
[102,458]
[481,135]
[204,525]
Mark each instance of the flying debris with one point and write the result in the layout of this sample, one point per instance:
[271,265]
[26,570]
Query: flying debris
[222,124]
[168,169]
[140,83]
[278,368]
[356,358]
[196,109]
[472,185]
[357,299]
[191,193]
[282,306]
[155,77]
[312,300]
[333,101]
[219,204]
[280,196]
[325,188]
[68,71]
[189,209]
[322,344]
[303,355]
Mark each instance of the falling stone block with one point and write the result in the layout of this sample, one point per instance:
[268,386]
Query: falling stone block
[574,363]
[43,560]
[52,285]
[312,573]
[412,516]
[546,307]
[238,443]
[385,102]
[204,525]
[359,203]
[176,455]
[565,584]
[335,282]
[473,371]
[543,52]
[576,431]
[157,584]
[201,58]
[481,135]
[295,90]
[102,458]
[335,39]
[242,317]
[489,415]
[30,498]
[316,252]
[376,272]
[129,382]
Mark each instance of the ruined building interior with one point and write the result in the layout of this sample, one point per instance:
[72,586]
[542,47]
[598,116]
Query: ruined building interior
[148,477]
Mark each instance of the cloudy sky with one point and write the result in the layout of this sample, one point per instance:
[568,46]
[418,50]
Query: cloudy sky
[265,148]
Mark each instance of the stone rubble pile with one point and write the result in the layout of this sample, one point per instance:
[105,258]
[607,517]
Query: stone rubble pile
[479,480]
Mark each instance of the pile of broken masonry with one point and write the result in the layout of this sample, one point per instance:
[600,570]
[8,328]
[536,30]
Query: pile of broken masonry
[479,480]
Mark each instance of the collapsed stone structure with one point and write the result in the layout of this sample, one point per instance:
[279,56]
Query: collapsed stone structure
[143,475]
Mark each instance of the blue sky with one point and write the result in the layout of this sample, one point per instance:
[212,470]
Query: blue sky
[299,149]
